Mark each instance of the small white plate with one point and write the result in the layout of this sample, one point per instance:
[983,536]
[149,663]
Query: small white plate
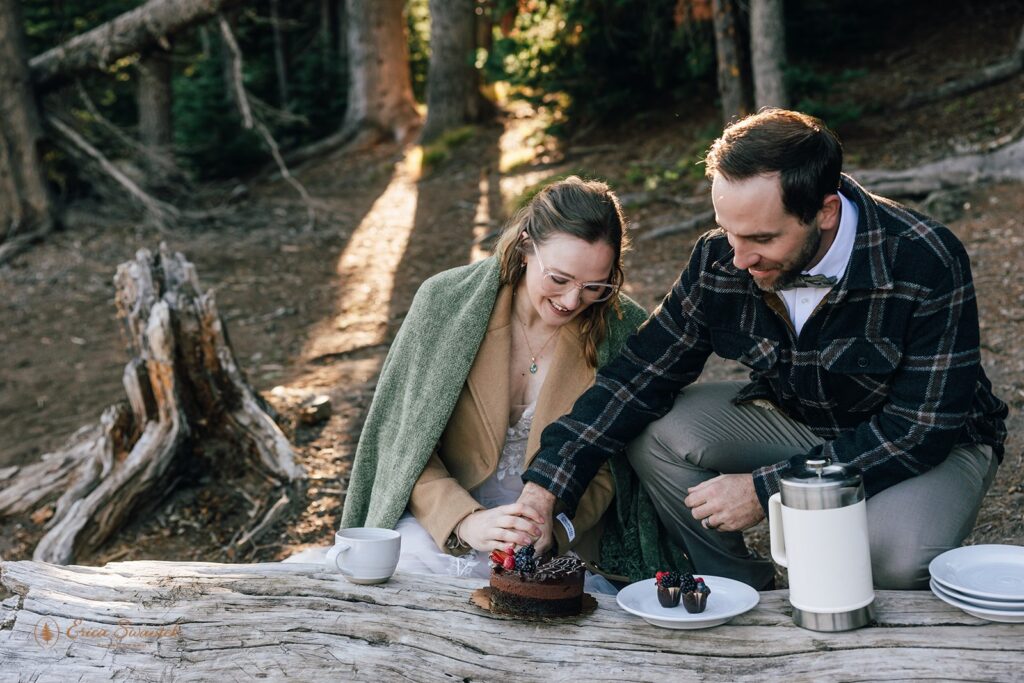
[995,572]
[1003,616]
[1005,605]
[728,598]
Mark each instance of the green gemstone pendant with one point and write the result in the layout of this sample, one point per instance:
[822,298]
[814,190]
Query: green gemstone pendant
[533,366]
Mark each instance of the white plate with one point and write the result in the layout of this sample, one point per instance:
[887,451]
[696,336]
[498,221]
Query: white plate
[980,612]
[984,571]
[1005,605]
[728,598]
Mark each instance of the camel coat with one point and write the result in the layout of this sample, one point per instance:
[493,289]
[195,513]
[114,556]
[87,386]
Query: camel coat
[471,443]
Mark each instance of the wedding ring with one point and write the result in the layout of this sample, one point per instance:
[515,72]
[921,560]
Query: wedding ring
[705,523]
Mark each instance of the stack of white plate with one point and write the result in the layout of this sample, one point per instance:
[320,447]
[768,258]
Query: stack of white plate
[986,581]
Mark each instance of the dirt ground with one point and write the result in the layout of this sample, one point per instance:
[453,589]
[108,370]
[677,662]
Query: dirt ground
[312,311]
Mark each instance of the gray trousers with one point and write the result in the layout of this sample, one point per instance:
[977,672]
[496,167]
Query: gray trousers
[705,435]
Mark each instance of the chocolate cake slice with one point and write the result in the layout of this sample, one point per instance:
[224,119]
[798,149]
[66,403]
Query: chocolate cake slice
[552,589]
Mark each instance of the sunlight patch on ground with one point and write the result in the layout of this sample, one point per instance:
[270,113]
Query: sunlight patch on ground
[366,268]
[482,225]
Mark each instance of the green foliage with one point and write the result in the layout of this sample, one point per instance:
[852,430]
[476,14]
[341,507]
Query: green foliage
[528,193]
[688,167]
[208,133]
[438,151]
[609,58]
[417,17]
[810,91]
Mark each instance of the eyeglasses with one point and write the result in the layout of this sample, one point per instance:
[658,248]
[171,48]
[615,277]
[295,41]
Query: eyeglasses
[557,284]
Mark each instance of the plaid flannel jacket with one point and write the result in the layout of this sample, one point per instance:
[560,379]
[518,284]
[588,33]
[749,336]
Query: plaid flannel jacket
[887,370]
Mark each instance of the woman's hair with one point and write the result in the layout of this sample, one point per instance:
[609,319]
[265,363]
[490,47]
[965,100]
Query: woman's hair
[586,209]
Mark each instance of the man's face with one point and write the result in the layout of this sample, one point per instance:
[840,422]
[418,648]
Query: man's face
[768,242]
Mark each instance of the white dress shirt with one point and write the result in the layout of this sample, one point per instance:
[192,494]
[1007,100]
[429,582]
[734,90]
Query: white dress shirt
[801,301]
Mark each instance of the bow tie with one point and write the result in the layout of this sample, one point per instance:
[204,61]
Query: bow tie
[812,281]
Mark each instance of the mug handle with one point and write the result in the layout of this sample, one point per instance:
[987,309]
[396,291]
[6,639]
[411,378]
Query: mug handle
[334,554]
[775,531]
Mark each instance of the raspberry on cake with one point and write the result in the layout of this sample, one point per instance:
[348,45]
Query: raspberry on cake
[521,585]
[669,590]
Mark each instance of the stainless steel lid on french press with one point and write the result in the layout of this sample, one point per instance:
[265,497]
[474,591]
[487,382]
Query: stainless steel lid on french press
[821,485]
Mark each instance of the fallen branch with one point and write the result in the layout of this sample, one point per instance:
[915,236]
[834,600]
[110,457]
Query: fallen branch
[700,220]
[250,123]
[268,519]
[1004,164]
[984,77]
[163,214]
[128,33]
[166,166]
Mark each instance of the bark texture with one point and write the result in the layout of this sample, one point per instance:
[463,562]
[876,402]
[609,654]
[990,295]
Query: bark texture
[451,75]
[768,53]
[728,52]
[133,31]
[200,621]
[183,388]
[27,209]
[380,101]
[155,100]
[280,63]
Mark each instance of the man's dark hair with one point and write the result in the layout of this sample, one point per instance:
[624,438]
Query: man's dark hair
[807,156]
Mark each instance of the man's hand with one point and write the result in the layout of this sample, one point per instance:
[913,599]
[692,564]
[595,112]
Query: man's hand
[726,503]
[487,530]
[542,503]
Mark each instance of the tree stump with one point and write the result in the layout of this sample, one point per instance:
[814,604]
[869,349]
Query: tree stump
[183,388]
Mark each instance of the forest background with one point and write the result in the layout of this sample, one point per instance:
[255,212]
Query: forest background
[317,160]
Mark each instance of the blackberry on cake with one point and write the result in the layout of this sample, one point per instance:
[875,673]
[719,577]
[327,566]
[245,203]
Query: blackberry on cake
[523,585]
[669,588]
[695,594]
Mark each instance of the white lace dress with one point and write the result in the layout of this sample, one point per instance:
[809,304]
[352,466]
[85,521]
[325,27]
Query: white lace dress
[419,552]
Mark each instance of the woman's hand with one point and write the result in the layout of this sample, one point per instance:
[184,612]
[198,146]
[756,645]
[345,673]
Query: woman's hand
[496,528]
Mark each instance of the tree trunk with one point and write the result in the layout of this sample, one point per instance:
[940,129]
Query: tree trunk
[280,64]
[27,209]
[184,388]
[380,100]
[728,51]
[342,43]
[328,24]
[131,32]
[451,76]
[155,102]
[768,53]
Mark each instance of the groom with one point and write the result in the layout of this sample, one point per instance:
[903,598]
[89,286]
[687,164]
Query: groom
[857,319]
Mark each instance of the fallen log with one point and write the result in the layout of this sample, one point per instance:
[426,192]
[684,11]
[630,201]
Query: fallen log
[702,219]
[183,388]
[131,32]
[206,621]
[1001,165]
[982,78]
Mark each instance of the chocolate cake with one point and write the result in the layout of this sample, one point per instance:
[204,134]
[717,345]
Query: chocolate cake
[669,588]
[695,594]
[524,586]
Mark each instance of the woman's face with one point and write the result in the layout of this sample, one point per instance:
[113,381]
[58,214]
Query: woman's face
[569,262]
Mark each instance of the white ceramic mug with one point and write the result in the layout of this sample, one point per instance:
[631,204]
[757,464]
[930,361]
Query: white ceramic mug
[365,554]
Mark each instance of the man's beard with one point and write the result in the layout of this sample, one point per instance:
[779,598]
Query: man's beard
[806,253]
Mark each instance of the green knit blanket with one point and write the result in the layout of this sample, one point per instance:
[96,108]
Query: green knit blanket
[419,384]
